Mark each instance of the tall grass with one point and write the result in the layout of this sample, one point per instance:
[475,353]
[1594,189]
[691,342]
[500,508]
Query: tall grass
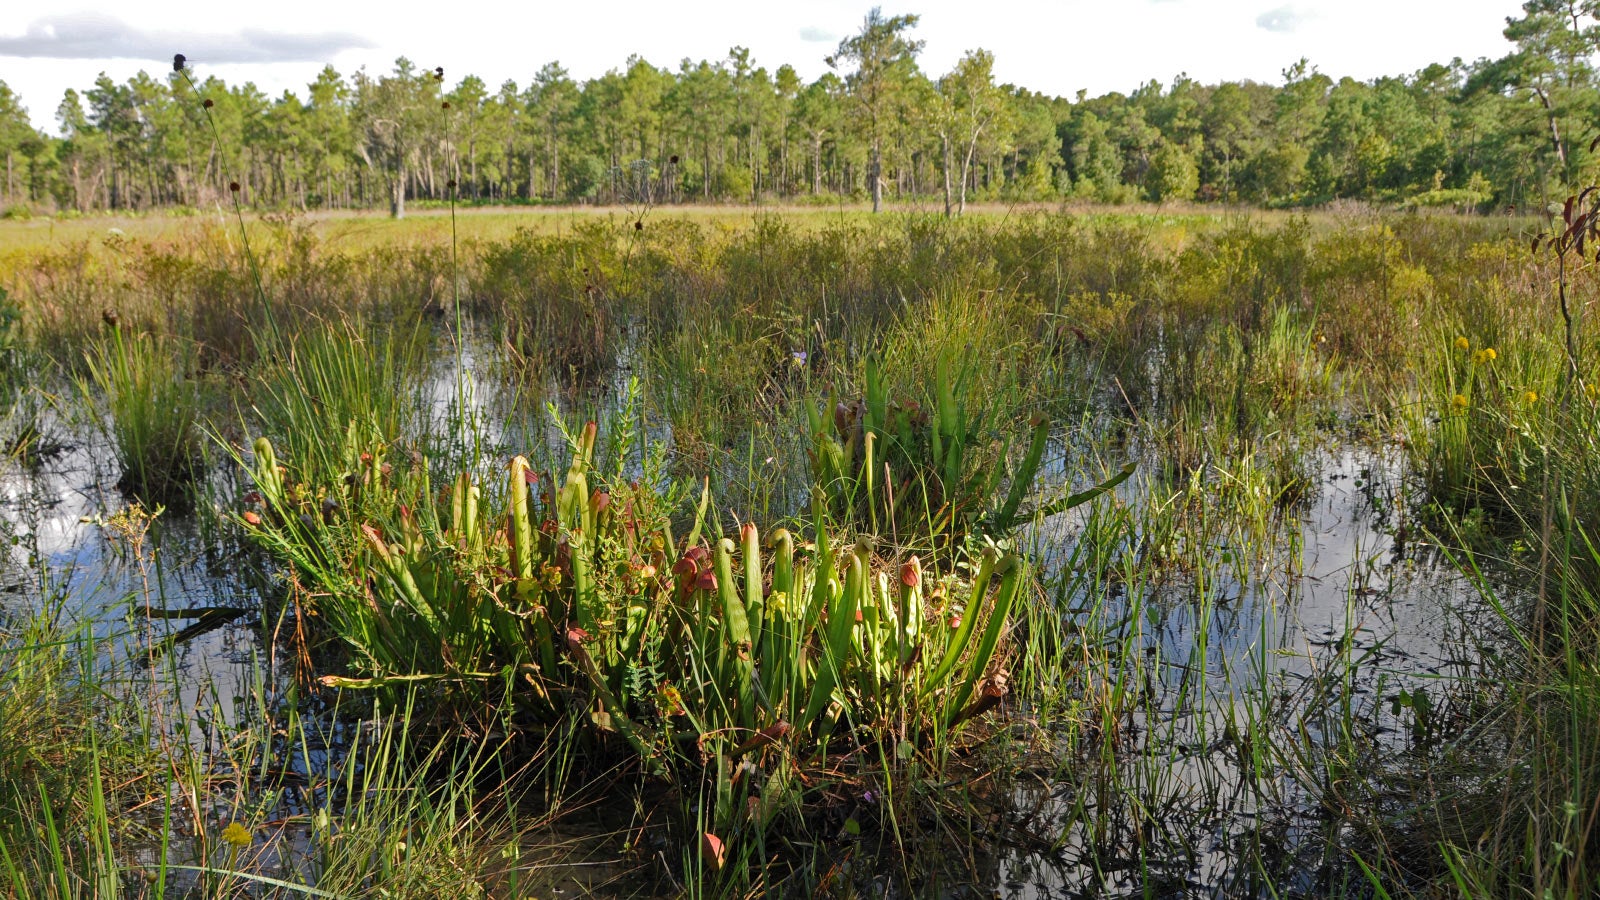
[71,755]
[326,394]
[914,378]
[152,411]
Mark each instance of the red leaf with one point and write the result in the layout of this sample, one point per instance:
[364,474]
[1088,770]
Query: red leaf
[764,738]
[712,851]
[911,573]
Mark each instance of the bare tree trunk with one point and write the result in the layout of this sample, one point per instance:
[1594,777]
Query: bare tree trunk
[755,165]
[397,195]
[816,165]
[944,146]
[966,169]
[98,188]
[875,177]
[1555,131]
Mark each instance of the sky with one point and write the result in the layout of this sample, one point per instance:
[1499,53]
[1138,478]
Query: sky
[1052,46]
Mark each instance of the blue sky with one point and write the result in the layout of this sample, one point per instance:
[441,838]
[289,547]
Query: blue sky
[1055,47]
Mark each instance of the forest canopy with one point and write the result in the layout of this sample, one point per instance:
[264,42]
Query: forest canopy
[1509,132]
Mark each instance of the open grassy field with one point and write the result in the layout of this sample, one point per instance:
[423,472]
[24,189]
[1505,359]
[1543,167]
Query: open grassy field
[431,224]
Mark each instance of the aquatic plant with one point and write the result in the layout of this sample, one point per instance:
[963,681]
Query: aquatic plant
[575,601]
[345,379]
[581,586]
[152,415]
[10,328]
[918,474]
[70,744]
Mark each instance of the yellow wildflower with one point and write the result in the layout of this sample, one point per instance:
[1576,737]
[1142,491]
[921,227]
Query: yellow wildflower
[1531,397]
[1460,401]
[1489,354]
[1463,344]
[669,700]
[237,835]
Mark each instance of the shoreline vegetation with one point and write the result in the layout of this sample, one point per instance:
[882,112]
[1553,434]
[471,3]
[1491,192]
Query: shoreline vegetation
[930,395]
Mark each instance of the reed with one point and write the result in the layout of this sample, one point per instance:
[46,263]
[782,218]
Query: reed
[356,383]
[152,412]
[71,748]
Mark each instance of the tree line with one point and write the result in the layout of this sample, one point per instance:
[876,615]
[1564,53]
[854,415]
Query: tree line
[1514,131]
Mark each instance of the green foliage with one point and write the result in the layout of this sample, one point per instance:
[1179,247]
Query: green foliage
[733,130]
[922,476]
[68,744]
[573,599]
[332,390]
[1502,428]
[1173,174]
[152,411]
[10,328]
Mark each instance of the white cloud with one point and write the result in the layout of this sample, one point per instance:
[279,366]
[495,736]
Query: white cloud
[1066,44]
[1284,19]
[89,35]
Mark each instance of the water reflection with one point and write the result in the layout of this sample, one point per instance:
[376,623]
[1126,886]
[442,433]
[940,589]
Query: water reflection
[1240,644]
[1186,807]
